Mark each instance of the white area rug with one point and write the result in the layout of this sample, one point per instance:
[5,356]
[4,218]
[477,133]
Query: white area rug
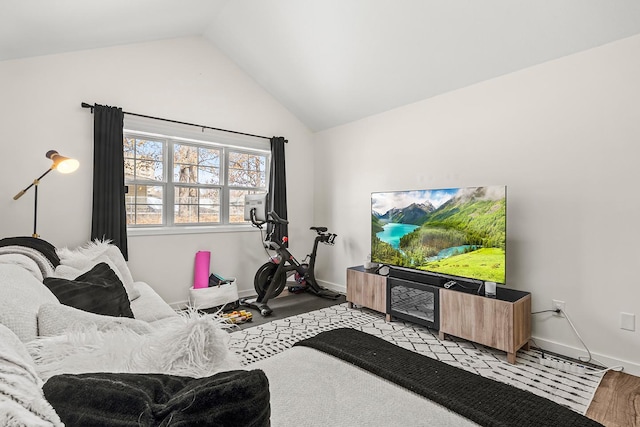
[574,391]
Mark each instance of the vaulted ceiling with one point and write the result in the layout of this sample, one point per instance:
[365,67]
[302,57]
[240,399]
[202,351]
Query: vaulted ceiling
[331,62]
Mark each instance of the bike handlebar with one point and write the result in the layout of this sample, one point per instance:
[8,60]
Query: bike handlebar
[275,218]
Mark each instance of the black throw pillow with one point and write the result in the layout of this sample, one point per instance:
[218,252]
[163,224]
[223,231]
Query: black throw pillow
[232,398]
[98,291]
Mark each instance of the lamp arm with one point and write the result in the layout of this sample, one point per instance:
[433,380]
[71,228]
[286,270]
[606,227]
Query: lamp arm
[35,182]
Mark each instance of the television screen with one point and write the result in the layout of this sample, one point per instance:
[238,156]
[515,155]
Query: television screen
[458,232]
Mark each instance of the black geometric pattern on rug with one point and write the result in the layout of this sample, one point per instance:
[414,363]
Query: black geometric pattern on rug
[263,341]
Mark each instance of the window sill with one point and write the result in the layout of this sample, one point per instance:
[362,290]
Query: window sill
[159,231]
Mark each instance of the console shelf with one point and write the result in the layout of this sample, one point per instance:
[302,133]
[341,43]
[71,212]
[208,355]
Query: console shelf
[366,289]
[503,322]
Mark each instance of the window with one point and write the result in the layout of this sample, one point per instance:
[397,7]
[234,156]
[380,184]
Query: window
[178,182]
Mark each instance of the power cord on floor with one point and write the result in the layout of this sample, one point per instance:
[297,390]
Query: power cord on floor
[589,359]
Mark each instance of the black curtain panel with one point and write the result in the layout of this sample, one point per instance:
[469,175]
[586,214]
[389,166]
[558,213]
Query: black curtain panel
[278,188]
[109,220]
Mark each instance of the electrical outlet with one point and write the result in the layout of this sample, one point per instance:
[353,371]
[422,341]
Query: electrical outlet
[557,305]
[628,321]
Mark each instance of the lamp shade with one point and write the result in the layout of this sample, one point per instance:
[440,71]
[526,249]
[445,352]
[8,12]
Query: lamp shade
[62,164]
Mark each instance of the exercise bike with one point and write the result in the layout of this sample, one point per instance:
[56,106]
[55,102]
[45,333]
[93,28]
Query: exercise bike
[271,278]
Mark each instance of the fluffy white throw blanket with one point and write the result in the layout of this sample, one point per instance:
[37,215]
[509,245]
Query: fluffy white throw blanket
[190,345]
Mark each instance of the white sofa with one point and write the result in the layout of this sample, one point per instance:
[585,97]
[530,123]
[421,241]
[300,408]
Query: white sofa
[41,338]
[24,296]
[22,402]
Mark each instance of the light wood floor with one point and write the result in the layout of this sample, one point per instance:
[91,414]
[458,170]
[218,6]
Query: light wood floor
[616,402]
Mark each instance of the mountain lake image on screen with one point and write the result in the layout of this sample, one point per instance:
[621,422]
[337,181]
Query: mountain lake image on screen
[458,232]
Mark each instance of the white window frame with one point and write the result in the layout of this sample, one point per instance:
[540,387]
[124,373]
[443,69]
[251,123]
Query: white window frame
[207,140]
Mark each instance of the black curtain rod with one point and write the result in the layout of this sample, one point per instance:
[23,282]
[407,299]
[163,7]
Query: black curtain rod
[85,105]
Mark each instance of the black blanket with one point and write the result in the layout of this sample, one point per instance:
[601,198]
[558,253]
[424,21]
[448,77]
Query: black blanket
[233,398]
[42,246]
[482,400]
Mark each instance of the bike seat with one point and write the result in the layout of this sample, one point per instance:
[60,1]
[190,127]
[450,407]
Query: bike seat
[319,229]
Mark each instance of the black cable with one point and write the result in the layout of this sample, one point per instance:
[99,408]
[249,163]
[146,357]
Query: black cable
[453,283]
[263,245]
[555,310]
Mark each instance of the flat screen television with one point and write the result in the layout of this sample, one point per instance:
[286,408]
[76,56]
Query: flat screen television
[452,232]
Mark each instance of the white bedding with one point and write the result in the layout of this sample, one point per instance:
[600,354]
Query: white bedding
[311,388]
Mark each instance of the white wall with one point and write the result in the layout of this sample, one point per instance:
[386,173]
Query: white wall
[182,79]
[564,138]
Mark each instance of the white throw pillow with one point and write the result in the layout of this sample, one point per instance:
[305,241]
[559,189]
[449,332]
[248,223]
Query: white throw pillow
[22,402]
[115,256]
[90,250]
[84,258]
[70,273]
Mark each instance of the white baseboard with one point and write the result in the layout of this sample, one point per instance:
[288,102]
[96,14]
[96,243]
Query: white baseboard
[179,305]
[575,353]
[333,286]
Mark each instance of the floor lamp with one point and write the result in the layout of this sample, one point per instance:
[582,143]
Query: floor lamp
[61,164]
